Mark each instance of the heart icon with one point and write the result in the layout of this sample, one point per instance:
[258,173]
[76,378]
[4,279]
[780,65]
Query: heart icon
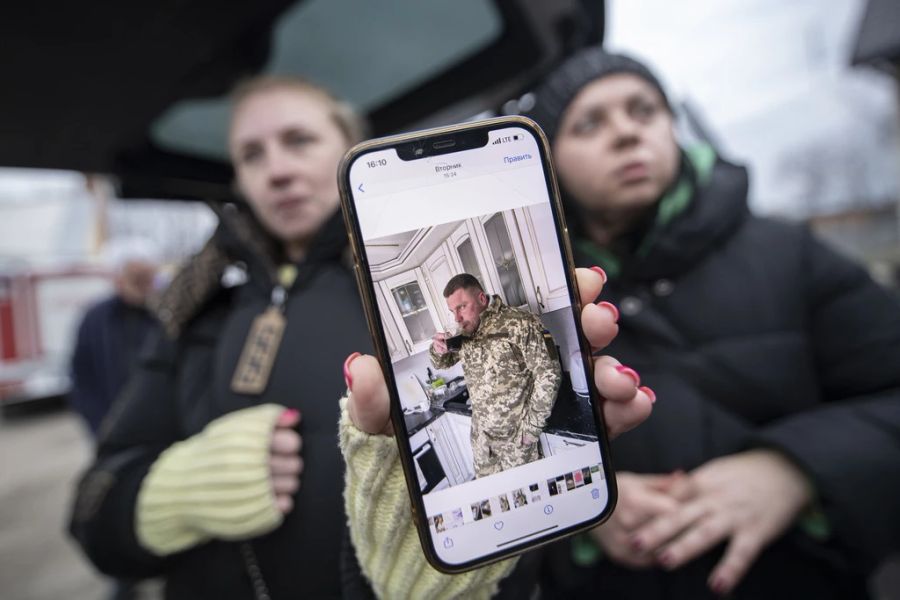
[498,525]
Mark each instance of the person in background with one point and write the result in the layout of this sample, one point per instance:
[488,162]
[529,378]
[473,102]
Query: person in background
[197,477]
[767,469]
[109,341]
[113,331]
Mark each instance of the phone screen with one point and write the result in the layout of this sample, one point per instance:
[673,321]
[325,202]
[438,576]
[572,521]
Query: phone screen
[462,260]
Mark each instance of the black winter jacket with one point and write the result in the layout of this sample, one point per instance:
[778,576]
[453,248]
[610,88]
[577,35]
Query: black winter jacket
[753,333]
[184,384]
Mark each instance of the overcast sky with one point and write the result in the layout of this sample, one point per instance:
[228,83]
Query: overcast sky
[774,84]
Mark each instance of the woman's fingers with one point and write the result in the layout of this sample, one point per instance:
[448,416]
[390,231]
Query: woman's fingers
[284,503]
[369,403]
[281,464]
[286,441]
[599,325]
[598,321]
[285,484]
[700,537]
[742,550]
[664,528]
[625,405]
[590,282]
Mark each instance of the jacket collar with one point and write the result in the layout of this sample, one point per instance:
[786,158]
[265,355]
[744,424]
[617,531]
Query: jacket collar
[240,238]
[716,208]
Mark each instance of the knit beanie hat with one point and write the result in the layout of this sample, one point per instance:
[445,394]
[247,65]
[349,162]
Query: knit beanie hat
[558,90]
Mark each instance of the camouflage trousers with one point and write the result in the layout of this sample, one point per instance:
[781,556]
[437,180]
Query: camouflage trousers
[492,455]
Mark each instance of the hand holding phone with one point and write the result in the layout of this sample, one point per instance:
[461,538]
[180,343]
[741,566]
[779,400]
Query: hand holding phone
[480,244]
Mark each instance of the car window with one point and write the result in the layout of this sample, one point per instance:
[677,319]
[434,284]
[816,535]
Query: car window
[380,51]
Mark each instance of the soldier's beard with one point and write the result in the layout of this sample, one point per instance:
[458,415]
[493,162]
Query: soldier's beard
[470,327]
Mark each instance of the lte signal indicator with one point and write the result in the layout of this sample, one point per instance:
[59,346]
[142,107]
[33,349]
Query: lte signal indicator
[504,139]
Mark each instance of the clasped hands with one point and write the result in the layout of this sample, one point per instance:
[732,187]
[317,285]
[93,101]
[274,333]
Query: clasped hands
[744,500]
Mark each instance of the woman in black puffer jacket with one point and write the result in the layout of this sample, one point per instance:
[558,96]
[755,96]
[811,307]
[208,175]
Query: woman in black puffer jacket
[770,467]
[200,477]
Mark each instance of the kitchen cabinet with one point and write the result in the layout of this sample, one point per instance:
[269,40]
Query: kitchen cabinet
[469,253]
[450,436]
[543,258]
[396,347]
[412,308]
[439,268]
[506,260]
[514,254]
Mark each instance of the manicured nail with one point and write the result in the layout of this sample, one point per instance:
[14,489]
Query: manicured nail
[719,586]
[630,372]
[288,415]
[601,272]
[612,308]
[347,377]
[637,544]
[666,560]
[652,395]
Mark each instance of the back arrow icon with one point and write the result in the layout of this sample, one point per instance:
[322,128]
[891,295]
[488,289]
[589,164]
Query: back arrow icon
[360,188]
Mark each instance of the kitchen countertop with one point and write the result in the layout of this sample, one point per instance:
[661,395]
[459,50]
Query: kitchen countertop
[453,403]
[571,417]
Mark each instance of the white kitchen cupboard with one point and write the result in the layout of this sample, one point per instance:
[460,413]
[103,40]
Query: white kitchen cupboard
[395,344]
[450,436]
[412,308]
[542,253]
[439,268]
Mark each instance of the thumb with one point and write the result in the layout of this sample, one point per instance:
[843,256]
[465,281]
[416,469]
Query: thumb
[369,403]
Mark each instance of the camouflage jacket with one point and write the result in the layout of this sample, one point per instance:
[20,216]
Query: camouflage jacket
[511,376]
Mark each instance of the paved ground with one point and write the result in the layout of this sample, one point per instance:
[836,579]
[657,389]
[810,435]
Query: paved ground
[42,451]
[41,454]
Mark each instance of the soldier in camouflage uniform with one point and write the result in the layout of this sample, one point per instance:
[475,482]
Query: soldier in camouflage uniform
[512,378]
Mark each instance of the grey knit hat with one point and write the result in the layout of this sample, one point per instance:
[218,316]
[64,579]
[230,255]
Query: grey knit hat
[553,96]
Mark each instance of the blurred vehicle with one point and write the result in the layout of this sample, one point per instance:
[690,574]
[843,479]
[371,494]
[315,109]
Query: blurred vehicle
[40,309]
[137,90]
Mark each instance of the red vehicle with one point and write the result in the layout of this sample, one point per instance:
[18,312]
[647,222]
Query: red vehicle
[40,309]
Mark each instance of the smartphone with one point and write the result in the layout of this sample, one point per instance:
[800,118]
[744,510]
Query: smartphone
[461,229]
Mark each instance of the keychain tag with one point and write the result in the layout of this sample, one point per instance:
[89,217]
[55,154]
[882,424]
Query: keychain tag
[252,373]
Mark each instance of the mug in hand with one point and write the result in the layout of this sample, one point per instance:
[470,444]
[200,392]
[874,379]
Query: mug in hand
[454,344]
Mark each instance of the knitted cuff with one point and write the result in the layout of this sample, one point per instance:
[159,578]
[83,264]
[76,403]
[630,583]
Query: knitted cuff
[215,484]
[381,527]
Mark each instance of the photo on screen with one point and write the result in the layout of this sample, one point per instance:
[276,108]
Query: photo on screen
[483,345]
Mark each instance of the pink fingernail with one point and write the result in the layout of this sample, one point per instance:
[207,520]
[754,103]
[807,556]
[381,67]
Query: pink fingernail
[630,372]
[288,415]
[666,560]
[348,379]
[600,272]
[612,308]
[719,586]
[650,393]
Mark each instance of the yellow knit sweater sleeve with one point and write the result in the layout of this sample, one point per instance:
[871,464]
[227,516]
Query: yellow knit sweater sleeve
[215,484]
[382,531]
